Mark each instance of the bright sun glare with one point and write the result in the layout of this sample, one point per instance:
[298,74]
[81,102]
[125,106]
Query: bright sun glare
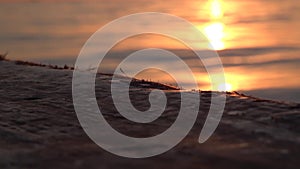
[216,9]
[225,87]
[215,34]
[215,29]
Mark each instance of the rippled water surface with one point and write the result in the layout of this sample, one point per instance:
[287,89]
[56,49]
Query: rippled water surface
[258,40]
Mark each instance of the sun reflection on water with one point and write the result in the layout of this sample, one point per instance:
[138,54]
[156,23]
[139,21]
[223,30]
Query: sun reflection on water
[215,34]
[214,30]
[216,9]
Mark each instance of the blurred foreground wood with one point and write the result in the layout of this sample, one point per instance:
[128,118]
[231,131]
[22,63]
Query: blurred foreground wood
[39,128]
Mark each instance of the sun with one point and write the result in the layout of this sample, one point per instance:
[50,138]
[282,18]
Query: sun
[225,87]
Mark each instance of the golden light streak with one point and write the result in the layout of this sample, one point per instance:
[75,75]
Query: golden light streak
[215,29]
[215,34]
[216,9]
